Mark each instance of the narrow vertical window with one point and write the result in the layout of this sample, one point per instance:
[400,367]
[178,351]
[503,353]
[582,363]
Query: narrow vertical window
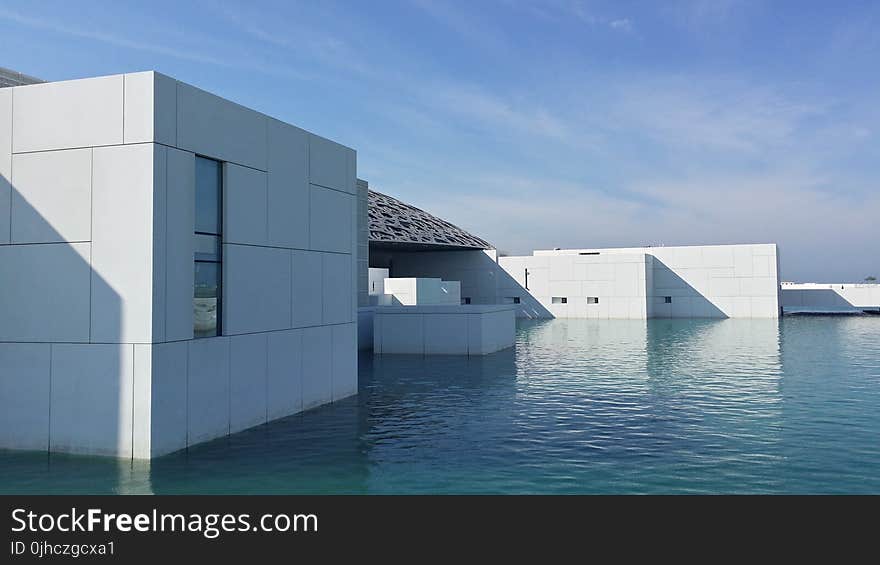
[208,295]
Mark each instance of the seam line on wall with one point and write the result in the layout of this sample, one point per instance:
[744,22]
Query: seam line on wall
[284,248]
[186,396]
[266,382]
[309,191]
[229,388]
[165,251]
[11,153]
[339,190]
[91,232]
[49,439]
[177,340]
[302,376]
[154,142]
[133,377]
[53,243]
[291,286]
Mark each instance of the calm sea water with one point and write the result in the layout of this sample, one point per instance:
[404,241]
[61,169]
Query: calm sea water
[731,406]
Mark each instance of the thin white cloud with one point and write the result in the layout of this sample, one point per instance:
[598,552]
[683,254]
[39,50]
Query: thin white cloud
[294,36]
[706,113]
[623,24]
[477,104]
[476,31]
[155,48]
[592,18]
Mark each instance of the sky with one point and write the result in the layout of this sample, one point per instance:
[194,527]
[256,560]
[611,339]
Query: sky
[535,125]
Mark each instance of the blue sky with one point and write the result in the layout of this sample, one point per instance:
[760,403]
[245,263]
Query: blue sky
[543,124]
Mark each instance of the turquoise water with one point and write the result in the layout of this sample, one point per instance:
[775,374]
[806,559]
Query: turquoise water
[729,406]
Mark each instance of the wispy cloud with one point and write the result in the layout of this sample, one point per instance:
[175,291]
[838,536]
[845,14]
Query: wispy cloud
[710,113]
[298,38]
[593,18]
[153,47]
[623,24]
[566,139]
[108,38]
[475,30]
[471,102]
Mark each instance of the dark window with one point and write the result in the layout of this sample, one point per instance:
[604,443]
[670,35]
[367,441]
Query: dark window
[208,182]
[592,300]
[466,300]
[588,253]
[559,300]
[208,288]
[516,299]
[667,300]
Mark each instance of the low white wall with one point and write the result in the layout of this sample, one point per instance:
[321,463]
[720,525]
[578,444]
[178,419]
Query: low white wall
[443,330]
[376,284]
[617,285]
[716,281]
[830,297]
[476,270]
[422,291]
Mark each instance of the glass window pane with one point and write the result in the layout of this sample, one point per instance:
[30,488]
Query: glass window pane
[206,300]
[207,195]
[207,247]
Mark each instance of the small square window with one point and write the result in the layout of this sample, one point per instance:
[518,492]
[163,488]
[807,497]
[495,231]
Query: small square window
[667,300]
[560,300]
[592,300]
[466,300]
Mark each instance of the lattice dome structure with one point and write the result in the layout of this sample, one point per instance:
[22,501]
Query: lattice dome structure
[396,224]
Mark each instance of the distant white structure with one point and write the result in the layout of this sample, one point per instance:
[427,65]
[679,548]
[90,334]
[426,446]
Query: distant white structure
[443,329]
[705,281]
[714,281]
[425,316]
[421,292]
[174,267]
[830,298]
[376,280]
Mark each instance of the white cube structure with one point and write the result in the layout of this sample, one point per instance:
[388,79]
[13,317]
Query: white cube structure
[443,329]
[421,292]
[700,281]
[99,309]
[830,298]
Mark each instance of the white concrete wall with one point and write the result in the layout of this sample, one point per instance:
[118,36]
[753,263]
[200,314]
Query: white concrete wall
[476,270]
[97,189]
[376,281]
[830,297]
[619,283]
[422,291]
[734,281]
[443,330]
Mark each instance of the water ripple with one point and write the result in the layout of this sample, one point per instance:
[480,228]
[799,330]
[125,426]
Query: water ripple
[728,406]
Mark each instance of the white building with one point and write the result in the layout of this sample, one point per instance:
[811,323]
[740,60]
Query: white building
[701,281]
[830,298]
[716,281]
[174,267]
